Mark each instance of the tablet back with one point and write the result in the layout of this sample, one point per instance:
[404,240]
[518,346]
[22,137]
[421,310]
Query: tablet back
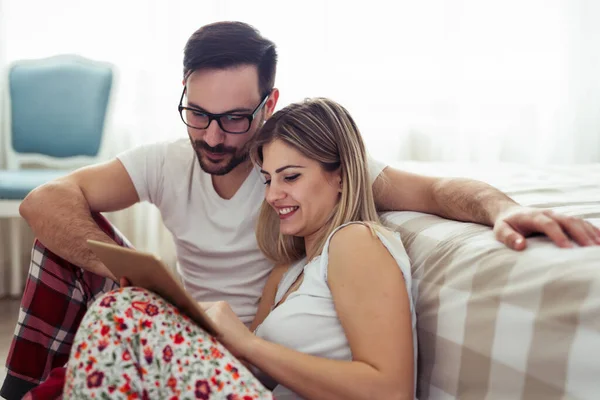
[147,271]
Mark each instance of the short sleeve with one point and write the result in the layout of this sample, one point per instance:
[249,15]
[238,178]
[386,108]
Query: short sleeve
[145,166]
[375,168]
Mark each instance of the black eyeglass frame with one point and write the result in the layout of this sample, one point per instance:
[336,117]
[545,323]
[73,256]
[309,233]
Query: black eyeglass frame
[217,117]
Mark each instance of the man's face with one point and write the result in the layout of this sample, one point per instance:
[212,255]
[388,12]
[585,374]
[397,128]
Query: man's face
[225,91]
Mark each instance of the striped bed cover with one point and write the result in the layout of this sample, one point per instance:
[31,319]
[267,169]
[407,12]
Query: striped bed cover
[498,324]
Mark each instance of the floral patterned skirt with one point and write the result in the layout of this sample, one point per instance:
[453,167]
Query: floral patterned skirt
[132,344]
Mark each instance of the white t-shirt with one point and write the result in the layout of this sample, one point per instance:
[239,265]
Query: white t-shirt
[218,257]
[307,320]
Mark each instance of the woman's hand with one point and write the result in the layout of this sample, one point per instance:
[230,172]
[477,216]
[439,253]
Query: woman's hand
[233,333]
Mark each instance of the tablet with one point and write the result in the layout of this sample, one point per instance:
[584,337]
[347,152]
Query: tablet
[147,271]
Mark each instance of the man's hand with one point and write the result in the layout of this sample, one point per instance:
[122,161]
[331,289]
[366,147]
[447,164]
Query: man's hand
[514,225]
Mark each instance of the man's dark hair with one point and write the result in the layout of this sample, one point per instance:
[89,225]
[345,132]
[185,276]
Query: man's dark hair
[224,45]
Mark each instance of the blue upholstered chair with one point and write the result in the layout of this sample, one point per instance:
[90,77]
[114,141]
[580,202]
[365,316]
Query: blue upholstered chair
[54,120]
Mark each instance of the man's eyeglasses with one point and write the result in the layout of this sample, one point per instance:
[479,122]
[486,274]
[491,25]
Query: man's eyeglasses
[230,123]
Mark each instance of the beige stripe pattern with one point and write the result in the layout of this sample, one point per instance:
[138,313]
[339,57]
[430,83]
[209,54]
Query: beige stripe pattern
[498,324]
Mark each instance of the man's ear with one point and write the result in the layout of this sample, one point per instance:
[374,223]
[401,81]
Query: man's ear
[271,103]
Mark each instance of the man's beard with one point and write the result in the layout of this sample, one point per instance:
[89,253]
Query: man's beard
[238,156]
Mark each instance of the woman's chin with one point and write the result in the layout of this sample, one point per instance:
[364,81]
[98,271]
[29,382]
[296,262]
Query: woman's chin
[289,230]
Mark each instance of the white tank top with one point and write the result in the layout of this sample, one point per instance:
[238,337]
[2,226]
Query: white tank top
[307,321]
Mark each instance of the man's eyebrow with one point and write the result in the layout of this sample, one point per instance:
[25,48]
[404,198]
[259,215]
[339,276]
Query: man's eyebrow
[278,170]
[232,111]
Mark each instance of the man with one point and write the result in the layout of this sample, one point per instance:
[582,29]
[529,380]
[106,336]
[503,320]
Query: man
[209,196]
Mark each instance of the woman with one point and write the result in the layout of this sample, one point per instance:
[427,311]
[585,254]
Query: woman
[335,319]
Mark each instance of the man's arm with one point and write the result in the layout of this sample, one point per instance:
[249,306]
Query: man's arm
[473,201]
[59,212]
[453,198]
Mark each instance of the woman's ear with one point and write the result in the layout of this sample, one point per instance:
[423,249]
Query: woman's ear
[334,179]
[338,178]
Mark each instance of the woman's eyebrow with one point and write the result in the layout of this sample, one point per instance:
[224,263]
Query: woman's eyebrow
[278,170]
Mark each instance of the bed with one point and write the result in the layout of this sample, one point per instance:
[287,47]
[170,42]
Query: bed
[498,324]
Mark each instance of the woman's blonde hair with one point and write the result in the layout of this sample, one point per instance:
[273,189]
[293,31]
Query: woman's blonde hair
[324,131]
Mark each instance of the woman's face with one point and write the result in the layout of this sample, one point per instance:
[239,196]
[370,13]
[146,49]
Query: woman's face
[301,192]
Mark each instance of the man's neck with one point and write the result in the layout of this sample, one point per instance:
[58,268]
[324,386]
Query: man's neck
[227,185]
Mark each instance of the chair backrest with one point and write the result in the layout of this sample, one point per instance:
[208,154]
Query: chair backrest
[56,111]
